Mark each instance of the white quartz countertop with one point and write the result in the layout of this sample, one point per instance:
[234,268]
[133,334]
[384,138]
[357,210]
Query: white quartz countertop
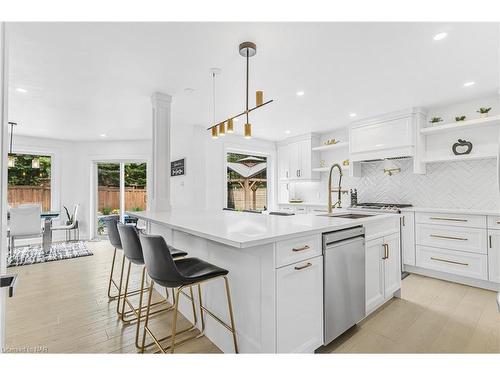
[242,229]
[463,211]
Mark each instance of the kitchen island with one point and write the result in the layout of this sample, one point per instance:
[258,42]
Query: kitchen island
[275,268]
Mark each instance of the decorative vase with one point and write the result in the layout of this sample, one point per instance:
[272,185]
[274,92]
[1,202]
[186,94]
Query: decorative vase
[483,115]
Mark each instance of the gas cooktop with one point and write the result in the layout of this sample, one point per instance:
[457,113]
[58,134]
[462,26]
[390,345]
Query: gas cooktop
[390,207]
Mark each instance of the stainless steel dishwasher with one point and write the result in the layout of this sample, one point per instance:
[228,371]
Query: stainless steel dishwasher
[344,280]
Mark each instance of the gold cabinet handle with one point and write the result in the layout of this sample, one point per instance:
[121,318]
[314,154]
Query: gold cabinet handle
[306,247]
[448,237]
[449,219]
[298,268]
[450,261]
[386,251]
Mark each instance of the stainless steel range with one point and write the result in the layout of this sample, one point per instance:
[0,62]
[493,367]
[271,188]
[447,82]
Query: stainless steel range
[380,207]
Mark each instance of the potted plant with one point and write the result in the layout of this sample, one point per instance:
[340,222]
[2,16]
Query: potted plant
[435,120]
[483,111]
[460,118]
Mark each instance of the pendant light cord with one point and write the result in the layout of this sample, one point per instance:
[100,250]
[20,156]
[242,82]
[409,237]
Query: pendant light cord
[248,67]
[11,135]
[213,75]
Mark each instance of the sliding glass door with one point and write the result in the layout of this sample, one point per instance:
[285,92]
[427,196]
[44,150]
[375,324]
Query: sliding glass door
[121,187]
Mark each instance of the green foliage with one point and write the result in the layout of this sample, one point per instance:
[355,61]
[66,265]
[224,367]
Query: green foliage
[484,110]
[106,210]
[436,119]
[23,174]
[460,118]
[136,209]
[109,174]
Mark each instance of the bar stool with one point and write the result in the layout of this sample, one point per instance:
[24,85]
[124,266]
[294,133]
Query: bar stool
[180,274]
[132,251]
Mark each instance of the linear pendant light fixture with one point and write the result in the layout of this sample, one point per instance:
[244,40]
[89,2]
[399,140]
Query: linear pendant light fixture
[247,50]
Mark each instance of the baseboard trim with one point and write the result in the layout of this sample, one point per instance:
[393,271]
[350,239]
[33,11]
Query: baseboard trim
[483,284]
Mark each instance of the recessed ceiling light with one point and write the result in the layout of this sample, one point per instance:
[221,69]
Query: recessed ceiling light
[287,132]
[103,135]
[470,83]
[19,89]
[440,36]
[352,114]
[300,93]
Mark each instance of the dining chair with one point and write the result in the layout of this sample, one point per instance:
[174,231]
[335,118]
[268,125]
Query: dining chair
[25,222]
[72,226]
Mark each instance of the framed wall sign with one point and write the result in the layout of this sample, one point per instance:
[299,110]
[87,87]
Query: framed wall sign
[178,167]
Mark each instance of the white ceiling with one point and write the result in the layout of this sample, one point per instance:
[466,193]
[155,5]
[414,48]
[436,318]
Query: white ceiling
[86,79]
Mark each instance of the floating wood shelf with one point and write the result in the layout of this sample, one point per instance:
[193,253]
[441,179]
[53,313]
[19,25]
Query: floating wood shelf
[331,147]
[476,123]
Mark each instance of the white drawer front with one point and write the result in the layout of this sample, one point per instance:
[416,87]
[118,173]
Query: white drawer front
[286,209]
[473,240]
[300,210]
[297,249]
[456,220]
[382,228]
[494,222]
[459,263]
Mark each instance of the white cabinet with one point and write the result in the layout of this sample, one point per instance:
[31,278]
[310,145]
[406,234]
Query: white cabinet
[392,265]
[408,237]
[283,162]
[383,270]
[295,159]
[374,267]
[300,306]
[494,255]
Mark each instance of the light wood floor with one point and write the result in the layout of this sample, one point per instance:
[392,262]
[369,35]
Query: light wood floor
[62,307]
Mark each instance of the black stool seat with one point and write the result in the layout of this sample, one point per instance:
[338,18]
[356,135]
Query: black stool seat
[195,270]
[176,253]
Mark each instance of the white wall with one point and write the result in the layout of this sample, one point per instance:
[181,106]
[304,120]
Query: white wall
[72,165]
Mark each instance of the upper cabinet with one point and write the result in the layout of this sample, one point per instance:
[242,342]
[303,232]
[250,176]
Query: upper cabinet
[389,136]
[295,158]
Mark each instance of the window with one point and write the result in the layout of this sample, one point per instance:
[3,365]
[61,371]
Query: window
[29,180]
[246,182]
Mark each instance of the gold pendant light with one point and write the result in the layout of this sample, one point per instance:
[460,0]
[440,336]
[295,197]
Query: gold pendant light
[215,134]
[247,50]
[230,126]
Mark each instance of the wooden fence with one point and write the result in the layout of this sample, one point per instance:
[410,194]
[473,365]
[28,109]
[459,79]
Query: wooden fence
[256,201]
[29,194]
[110,197]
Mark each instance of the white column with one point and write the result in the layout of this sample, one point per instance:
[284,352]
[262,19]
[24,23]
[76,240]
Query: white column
[160,199]
[3,173]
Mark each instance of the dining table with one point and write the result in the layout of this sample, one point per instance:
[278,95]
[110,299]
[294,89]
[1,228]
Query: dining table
[47,228]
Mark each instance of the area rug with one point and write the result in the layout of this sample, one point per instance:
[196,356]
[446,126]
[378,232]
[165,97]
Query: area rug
[32,254]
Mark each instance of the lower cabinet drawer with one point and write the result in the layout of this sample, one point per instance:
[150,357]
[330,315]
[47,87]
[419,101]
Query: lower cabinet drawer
[494,222]
[454,238]
[455,262]
[297,249]
[301,210]
[456,220]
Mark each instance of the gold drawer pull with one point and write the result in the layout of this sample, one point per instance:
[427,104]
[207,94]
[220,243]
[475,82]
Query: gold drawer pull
[449,238]
[449,261]
[297,268]
[449,219]
[306,247]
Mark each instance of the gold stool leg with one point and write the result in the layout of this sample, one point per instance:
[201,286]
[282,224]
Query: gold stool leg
[202,314]
[140,309]
[120,287]
[125,293]
[111,275]
[230,306]
[147,316]
[174,320]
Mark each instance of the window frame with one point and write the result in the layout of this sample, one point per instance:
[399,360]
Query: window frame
[55,175]
[269,171]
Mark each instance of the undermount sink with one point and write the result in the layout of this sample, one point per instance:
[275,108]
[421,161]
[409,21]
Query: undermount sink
[347,216]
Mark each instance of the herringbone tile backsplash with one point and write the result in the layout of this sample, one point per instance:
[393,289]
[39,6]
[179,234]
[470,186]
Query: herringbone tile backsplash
[460,184]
